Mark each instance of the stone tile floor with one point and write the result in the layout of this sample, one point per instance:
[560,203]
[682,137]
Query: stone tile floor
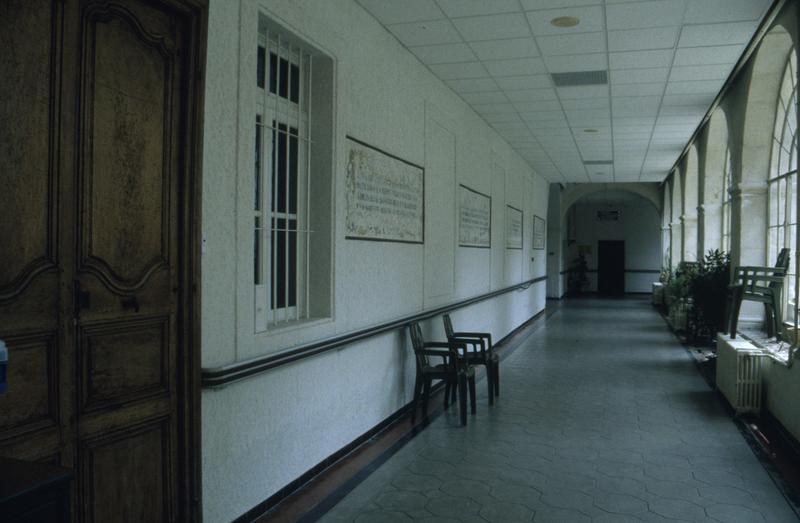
[602,417]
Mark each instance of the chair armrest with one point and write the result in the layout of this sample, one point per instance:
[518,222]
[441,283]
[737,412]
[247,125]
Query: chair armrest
[444,345]
[475,341]
[429,352]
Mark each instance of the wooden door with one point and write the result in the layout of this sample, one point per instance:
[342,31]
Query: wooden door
[96,199]
[611,267]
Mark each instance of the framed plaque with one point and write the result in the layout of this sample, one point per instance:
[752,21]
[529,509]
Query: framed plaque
[513,228]
[384,196]
[538,232]
[474,218]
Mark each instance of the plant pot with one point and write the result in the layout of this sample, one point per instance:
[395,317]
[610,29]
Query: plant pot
[658,293]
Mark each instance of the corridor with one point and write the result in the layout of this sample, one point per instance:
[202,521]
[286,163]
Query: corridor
[602,417]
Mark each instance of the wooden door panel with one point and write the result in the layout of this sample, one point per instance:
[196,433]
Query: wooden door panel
[127,474]
[32,399]
[27,186]
[125,226]
[124,362]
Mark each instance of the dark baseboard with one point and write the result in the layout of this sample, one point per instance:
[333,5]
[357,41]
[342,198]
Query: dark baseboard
[505,346]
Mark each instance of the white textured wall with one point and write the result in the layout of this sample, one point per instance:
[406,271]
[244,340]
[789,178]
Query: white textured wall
[639,227]
[781,390]
[262,433]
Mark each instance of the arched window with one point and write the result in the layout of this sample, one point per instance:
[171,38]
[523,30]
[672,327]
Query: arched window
[783,178]
[727,200]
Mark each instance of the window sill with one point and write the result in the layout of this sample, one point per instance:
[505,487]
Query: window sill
[293,325]
[777,351]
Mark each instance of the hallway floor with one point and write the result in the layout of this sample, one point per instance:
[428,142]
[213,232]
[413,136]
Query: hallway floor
[602,417]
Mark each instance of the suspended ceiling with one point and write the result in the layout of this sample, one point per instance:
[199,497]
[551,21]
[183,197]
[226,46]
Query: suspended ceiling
[652,69]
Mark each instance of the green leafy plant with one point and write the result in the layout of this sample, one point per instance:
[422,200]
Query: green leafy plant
[577,277]
[708,292]
[665,275]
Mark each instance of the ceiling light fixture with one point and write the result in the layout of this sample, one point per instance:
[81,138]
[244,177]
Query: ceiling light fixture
[565,21]
[590,130]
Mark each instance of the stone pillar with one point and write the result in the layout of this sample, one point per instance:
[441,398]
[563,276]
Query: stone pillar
[666,249]
[676,243]
[689,243]
[711,225]
[749,237]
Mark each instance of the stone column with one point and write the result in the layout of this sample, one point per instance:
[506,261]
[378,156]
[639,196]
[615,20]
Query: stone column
[676,243]
[711,225]
[689,243]
[749,237]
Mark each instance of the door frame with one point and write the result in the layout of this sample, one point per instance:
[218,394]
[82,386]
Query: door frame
[190,252]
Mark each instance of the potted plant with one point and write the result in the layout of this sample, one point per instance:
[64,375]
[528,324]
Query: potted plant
[577,278]
[708,294]
[678,289]
[659,287]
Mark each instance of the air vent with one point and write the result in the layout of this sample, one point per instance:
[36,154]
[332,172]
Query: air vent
[580,78]
[608,216]
[598,162]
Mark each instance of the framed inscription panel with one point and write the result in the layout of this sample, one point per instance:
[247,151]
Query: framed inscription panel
[384,196]
[538,232]
[474,218]
[513,228]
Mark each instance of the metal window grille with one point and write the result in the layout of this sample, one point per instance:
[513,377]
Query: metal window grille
[282,181]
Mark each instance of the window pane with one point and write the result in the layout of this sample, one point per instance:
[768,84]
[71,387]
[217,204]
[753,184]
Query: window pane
[257,265]
[257,199]
[279,169]
[773,203]
[260,65]
[285,274]
[273,72]
[280,80]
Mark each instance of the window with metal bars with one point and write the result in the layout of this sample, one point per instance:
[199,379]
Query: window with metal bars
[782,214]
[282,181]
[727,200]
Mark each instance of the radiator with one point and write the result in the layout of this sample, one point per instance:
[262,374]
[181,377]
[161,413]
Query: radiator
[739,369]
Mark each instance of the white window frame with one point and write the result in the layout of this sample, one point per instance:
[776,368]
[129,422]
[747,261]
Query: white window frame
[727,201]
[272,112]
[782,184]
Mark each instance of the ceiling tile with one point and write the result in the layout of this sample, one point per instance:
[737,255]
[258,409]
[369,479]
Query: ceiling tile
[393,12]
[542,116]
[457,71]
[485,97]
[531,95]
[515,67]
[505,49]
[457,8]
[580,43]
[688,73]
[576,62]
[442,54]
[493,27]
[721,54]
[501,117]
[472,85]
[688,99]
[591,20]
[531,5]
[583,91]
[543,105]
[508,83]
[717,34]
[661,13]
[494,108]
[702,11]
[586,103]
[642,39]
[641,59]
[639,76]
[694,87]
[588,113]
[642,89]
[425,33]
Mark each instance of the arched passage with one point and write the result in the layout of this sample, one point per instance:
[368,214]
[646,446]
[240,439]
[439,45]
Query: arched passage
[615,214]
[713,168]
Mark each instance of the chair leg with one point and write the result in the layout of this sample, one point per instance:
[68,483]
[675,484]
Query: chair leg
[496,380]
[472,394]
[490,380]
[462,398]
[425,395]
[447,386]
[736,305]
[417,392]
